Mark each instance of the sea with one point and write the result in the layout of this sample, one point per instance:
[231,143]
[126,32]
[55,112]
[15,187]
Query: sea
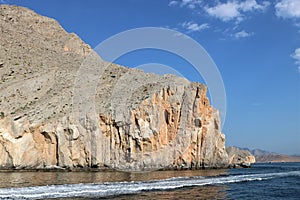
[261,181]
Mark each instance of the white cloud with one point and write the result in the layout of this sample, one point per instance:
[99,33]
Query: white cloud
[296,56]
[242,34]
[173,3]
[234,10]
[288,9]
[186,3]
[191,26]
[251,5]
[225,11]
[190,3]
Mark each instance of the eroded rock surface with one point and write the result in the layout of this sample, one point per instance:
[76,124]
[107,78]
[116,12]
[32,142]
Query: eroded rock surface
[52,116]
[239,157]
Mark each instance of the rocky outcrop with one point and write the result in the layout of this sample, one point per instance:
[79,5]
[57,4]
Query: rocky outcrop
[50,116]
[239,157]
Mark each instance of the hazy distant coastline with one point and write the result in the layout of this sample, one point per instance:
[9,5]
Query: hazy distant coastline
[262,156]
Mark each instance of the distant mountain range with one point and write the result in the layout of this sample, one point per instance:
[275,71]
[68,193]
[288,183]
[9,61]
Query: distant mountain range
[266,156]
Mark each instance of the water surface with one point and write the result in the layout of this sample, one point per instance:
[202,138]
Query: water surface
[262,181]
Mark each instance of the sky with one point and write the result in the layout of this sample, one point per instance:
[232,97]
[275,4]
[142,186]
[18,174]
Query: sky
[254,43]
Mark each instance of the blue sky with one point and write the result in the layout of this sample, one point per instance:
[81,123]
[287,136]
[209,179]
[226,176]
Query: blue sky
[255,44]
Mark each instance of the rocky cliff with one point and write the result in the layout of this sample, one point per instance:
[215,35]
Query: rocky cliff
[239,157]
[132,123]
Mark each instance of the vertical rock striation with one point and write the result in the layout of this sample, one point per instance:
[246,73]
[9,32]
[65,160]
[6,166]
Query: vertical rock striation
[143,121]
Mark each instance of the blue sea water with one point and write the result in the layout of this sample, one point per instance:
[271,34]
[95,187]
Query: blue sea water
[262,181]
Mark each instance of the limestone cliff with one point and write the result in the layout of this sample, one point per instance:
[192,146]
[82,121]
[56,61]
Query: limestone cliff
[239,157]
[163,123]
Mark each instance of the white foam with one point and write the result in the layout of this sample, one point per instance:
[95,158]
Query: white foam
[117,188]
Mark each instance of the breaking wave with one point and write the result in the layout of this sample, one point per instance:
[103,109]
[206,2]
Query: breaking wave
[134,187]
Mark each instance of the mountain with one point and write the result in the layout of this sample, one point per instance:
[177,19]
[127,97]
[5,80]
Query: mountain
[262,156]
[265,156]
[62,106]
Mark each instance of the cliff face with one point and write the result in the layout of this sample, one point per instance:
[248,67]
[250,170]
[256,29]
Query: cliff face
[139,124]
[240,158]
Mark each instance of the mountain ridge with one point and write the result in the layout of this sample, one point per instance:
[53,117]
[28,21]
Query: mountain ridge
[52,117]
[262,156]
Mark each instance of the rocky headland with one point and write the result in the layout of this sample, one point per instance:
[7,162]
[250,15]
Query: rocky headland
[239,157]
[168,123]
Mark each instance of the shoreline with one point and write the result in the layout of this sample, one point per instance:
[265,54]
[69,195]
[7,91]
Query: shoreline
[60,169]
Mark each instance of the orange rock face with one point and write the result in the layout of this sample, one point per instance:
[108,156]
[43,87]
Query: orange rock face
[167,133]
[141,121]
